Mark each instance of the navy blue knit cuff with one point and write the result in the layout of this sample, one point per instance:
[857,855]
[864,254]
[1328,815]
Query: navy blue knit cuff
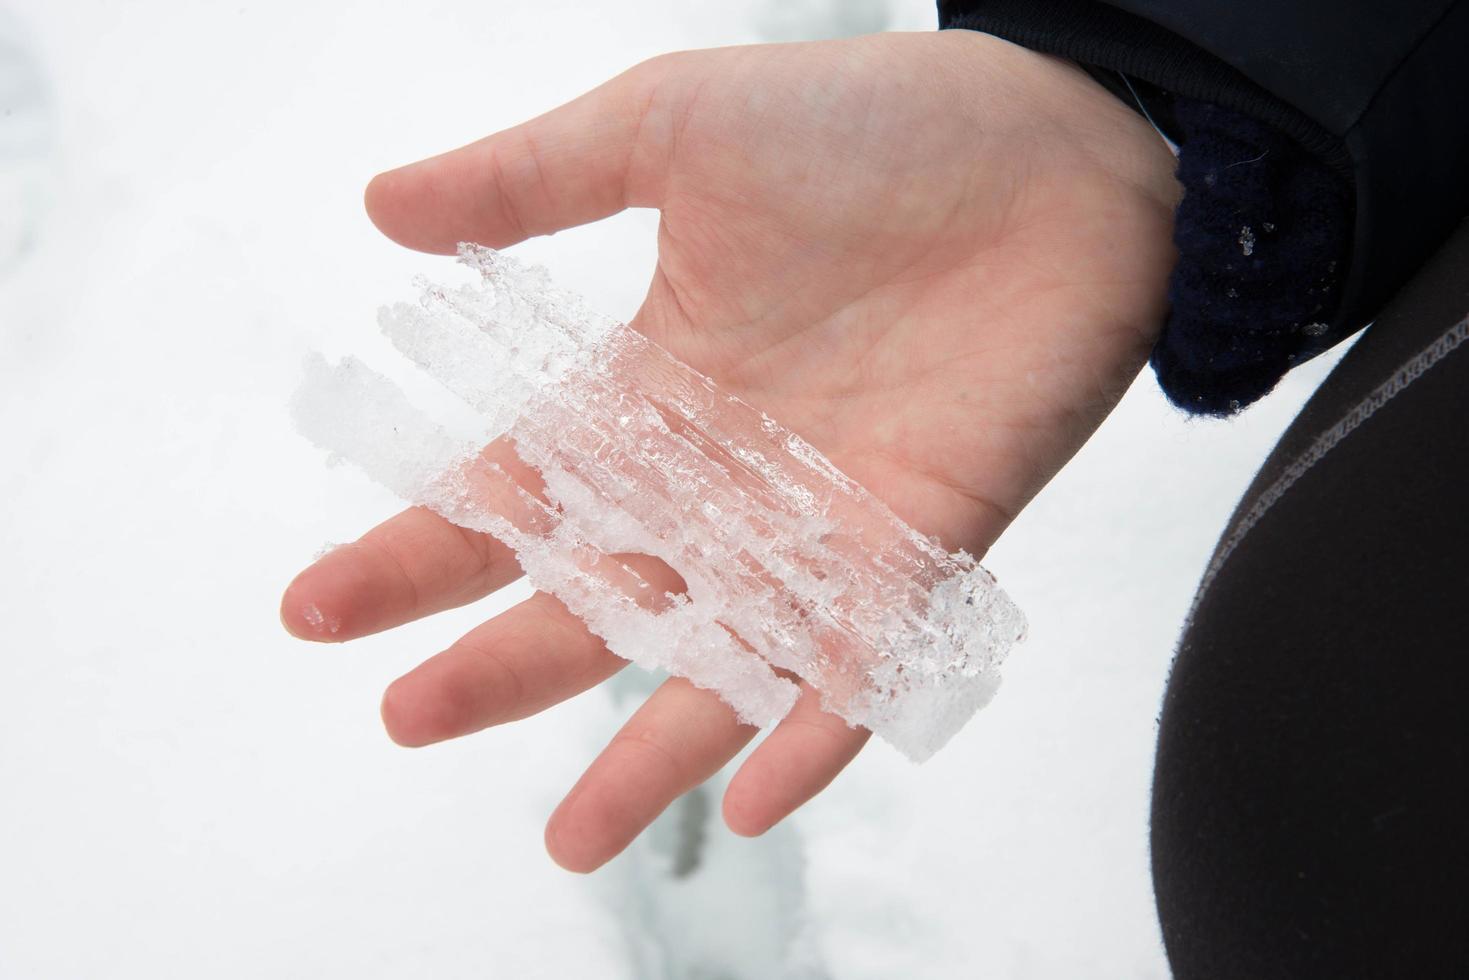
[1263,235]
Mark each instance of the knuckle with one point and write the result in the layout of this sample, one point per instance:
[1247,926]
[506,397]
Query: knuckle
[648,747]
[498,676]
[507,201]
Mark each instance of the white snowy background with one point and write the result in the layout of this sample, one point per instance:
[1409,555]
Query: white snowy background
[187,792]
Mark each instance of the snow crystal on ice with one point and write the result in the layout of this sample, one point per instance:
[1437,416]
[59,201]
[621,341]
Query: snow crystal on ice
[1247,240]
[599,444]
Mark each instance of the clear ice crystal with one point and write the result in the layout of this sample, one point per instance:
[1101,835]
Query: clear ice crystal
[599,445]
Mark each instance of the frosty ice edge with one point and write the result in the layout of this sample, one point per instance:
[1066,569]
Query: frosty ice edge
[602,445]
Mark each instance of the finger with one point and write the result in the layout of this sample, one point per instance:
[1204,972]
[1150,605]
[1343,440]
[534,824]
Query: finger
[680,737]
[798,759]
[408,567]
[581,162]
[523,661]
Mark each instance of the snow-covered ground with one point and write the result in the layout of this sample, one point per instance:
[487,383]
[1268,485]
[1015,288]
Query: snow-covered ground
[186,792]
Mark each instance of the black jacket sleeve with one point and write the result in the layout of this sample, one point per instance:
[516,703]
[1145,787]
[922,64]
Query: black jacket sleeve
[1348,121]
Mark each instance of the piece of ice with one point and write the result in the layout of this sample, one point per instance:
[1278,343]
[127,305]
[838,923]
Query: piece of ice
[599,445]
[317,621]
[327,548]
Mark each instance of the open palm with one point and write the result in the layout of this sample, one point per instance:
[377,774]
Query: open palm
[938,257]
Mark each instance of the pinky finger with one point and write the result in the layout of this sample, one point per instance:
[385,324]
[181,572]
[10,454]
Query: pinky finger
[797,760]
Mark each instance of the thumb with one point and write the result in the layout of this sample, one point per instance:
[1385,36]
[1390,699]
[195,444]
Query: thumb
[584,161]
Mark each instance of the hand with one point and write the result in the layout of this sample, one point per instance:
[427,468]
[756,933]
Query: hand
[939,257]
